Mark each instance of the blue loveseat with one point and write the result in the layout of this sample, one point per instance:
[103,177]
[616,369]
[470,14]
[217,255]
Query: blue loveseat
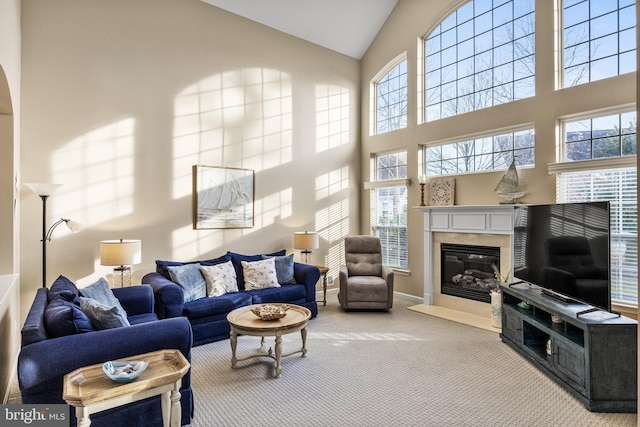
[208,315]
[44,360]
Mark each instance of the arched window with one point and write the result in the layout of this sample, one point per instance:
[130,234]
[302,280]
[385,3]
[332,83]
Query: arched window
[390,93]
[481,55]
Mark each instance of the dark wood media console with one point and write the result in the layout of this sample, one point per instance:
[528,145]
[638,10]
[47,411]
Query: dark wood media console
[592,354]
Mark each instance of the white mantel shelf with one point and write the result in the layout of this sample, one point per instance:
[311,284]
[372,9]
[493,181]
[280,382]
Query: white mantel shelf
[489,219]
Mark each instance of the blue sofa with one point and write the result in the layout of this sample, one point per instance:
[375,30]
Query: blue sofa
[208,315]
[44,360]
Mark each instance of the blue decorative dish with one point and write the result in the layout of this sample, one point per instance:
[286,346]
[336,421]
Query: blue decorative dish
[124,372]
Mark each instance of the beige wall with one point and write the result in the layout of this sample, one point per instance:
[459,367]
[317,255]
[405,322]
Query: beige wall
[9,206]
[121,98]
[412,19]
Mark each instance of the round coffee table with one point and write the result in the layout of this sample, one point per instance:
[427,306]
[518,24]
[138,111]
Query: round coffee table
[244,322]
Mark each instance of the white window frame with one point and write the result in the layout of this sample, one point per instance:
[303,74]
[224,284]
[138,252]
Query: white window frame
[603,164]
[373,91]
[375,185]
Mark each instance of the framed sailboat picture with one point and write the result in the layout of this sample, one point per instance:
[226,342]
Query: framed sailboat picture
[222,197]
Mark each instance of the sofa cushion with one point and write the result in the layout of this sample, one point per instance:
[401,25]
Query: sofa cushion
[221,278]
[260,274]
[219,305]
[237,259]
[63,316]
[142,318]
[101,292]
[285,293]
[284,268]
[161,266]
[102,316]
[190,279]
[59,285]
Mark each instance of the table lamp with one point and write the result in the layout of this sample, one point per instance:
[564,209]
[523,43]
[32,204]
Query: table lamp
[306,241]
[122,254]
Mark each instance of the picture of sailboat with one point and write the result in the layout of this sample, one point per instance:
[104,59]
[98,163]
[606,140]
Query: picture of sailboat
[223,197]
[507,187]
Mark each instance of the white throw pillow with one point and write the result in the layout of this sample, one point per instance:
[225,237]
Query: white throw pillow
[220,278]
[260,274]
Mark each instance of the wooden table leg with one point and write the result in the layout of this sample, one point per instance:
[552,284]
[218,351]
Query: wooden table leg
[303,333]
[82,414]
[278,355]
[176,409]
[165,404]
[234,343]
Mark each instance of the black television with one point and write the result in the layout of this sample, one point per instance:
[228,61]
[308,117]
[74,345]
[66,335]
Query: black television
[564,249]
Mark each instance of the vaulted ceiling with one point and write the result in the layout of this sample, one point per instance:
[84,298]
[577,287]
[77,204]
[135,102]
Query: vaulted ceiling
[345,26]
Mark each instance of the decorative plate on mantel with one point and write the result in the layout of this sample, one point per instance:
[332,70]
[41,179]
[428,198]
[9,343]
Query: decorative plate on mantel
[442,192]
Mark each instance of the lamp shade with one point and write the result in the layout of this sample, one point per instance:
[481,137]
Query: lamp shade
[306,240]
[43,188]
[120,252]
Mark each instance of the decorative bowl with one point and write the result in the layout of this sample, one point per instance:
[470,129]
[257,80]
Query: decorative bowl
[124,372]
[270,311]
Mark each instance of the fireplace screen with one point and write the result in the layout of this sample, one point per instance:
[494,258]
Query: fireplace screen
[467,270]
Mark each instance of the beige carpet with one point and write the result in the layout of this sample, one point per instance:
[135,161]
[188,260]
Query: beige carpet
[401,368]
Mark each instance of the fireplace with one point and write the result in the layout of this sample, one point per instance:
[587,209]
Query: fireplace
[467,271]
[464,225]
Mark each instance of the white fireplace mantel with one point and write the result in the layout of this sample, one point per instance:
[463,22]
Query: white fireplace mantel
[492,220]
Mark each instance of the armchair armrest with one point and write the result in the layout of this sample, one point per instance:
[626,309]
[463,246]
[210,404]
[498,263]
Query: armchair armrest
[307,275]
[135,299]
[43,365]
[169,295]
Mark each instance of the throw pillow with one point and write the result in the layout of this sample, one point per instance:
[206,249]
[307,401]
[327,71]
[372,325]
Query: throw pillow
[62,317]
[61,284]
[220,279]
[284,268]
[260,274]
[188,276]
[161,266]
[101,292]
[237,259]
[101,316]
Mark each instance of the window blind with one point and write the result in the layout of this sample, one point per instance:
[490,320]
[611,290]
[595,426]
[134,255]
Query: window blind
[619,187]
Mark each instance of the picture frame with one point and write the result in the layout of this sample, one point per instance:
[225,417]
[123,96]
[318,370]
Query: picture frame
[222,197]
[442,192]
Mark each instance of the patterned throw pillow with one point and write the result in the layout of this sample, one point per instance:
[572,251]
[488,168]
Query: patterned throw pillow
[101,316]
[260,274]
[188,276]
[221,279]
[101,292]
[284,268]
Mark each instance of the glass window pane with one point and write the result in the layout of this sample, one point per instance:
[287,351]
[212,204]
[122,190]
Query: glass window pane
[606,34]
[606,147]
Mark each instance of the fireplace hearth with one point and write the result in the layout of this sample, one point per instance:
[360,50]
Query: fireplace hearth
[467,270]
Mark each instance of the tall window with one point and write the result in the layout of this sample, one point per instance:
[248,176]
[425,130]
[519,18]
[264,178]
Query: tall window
[599,39]
[481,55]
[600,166]
[481,154]
[390,206]
[391,99]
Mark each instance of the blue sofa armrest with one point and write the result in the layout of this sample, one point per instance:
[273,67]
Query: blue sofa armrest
[135,299]
[307,275]
[43,365]
[169,295]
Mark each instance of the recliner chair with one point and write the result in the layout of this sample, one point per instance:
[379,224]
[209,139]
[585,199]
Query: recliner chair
[364,282]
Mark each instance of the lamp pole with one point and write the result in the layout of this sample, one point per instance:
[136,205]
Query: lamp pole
[44,198]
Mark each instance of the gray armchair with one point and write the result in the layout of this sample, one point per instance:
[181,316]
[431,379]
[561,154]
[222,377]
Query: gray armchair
[364,282]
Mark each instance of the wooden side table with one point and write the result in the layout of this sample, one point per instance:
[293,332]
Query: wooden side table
[89,389]
[323,272]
